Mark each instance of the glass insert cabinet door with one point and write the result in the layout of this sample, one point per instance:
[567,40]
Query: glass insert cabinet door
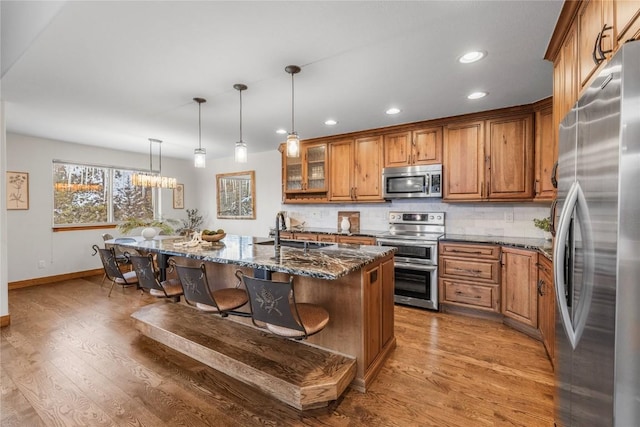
[307,173]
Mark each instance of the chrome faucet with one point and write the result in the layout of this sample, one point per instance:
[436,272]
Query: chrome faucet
[279,223]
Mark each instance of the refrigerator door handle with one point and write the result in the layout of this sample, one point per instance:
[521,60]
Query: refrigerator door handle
[575,201]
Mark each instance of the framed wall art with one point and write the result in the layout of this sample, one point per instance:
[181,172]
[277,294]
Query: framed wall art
[236,195]
[17,190]
[178,197]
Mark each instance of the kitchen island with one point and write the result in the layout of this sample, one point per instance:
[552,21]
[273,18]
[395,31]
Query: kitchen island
[354,283]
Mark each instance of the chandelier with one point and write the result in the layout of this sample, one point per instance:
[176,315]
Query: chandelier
[199,154]
[151,179]
[293,141]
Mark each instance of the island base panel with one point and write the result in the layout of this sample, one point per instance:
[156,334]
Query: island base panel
[297,374]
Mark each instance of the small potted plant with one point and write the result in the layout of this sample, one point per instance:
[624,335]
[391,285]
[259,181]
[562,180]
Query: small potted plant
[544,224]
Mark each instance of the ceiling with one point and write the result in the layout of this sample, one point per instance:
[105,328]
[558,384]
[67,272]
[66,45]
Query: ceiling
[116,73]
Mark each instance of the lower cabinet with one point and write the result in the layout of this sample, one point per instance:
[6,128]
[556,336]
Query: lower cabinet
[519,281]
[547,305]
[469,276]
[514,285]
[379,307]
[356,240]
[331,238]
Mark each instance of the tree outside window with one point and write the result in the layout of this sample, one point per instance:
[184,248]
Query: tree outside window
[86,195]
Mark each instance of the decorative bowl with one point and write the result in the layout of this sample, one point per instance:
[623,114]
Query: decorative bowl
[213,237]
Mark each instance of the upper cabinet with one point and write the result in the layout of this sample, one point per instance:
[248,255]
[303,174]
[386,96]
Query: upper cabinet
[489,160]
[587,34]
[595,34]
[509,152]
[463,161]
[305,177]
[356,170]
[412,148]
[546,152]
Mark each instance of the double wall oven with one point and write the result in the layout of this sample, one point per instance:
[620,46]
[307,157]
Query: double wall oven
[415,236]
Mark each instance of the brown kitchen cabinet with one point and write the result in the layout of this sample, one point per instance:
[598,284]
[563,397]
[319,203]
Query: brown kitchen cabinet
[305,236]
[519,285]
[546,305]
[469,276]
[379,308]
[329,238]
[489,160]
[571,48]
[463,161]
[413,148]
[510,165]
[355,169]
[546,152]
[592,18]
[356,240]
[306,173]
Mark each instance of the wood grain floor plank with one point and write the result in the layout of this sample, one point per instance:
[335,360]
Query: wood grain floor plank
[68,344]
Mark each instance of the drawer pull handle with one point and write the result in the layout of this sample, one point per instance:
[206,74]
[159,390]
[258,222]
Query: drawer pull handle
[466,252]
[468,296]
[468,271]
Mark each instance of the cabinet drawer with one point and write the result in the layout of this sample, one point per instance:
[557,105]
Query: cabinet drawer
[327,238]
[469,294]
[305,236]
[487,271]
[470,250]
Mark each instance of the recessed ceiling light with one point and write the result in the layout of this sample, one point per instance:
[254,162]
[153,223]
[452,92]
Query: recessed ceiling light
[330,122]
[281,131]
[393,110]
[477,95]
[472,56]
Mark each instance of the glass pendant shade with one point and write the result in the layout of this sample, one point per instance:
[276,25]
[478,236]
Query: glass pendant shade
[200,154]
[293,141]
[200,157]
[293,145]
[241,152]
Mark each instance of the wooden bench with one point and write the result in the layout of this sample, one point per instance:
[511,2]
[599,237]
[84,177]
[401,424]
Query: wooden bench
[298,374]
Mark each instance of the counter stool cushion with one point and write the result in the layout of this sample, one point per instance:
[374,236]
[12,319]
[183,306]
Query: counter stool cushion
[274,307]
[199,294]
[172,287]
[129,278]
[313,317]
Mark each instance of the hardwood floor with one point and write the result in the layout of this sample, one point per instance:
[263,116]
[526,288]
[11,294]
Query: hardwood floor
[71,357]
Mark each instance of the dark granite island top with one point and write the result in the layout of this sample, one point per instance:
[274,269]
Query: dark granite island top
[328,262]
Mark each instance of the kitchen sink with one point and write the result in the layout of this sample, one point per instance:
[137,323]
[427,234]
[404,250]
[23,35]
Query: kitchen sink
[297,244]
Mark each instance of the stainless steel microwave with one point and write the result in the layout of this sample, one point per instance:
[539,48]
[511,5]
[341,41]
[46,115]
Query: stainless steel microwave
[412,181]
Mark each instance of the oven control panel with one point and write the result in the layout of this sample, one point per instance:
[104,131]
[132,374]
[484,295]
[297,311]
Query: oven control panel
[428,218]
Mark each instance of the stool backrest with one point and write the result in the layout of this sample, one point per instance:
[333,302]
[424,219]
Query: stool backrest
[195,284]
[273,303]
[108,258]
[145,270]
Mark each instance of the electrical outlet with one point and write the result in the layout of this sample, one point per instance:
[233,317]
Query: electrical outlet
[508,216]
[41,264]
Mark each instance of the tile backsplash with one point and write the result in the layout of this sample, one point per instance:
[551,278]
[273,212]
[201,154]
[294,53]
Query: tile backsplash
[492,219]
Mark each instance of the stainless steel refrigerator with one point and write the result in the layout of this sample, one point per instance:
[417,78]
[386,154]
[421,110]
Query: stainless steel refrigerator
[597,251]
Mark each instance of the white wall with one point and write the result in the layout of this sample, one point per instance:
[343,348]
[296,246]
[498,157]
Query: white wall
[267,167]
[29,236]
[4,289]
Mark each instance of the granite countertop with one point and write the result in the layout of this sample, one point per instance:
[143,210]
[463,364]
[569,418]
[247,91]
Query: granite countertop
[319,230]
[328,262]
[545,247]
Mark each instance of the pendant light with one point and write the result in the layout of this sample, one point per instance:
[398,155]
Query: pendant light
[293,142]
[200,154]
[241,146]
[152,179]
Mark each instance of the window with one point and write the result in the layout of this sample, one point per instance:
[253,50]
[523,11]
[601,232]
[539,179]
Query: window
[90,195]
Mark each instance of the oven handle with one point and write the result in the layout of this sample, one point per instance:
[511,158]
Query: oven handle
[416,266]
[385,242]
